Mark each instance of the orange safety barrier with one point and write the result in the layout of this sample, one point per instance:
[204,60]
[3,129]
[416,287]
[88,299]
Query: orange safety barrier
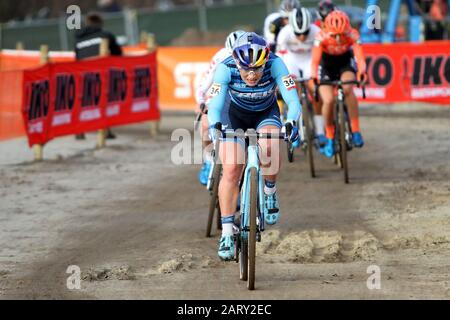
[11,120]
[179,71]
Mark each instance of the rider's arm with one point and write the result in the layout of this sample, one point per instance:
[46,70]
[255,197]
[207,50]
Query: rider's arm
[218,93]
[358,51]
[207,78]
[316,56]
[287,88]
[281,45]
[269,32]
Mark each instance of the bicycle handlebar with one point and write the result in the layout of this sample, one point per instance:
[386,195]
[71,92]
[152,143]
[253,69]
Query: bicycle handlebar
[257,135]
[338,83]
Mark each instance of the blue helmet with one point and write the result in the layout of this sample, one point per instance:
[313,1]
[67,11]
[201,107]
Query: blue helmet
[251,50]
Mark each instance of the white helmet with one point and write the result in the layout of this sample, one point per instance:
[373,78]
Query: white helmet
[300,20]
[231,39]
[287,6]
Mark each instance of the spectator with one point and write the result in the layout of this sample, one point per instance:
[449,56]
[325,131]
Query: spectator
[87,45]
[438,14]
[434,13]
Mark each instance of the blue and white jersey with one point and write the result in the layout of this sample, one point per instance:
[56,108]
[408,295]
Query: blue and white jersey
[228,82]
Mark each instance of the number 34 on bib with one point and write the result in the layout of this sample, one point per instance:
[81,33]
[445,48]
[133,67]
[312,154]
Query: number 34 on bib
[288,82]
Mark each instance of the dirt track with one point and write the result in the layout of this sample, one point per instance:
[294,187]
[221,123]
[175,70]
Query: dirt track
[134,222]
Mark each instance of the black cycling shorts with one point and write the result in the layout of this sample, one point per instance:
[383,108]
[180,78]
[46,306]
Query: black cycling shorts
[332,67]
[239,118]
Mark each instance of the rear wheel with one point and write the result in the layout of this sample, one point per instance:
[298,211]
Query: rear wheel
[214,200]
[252,233]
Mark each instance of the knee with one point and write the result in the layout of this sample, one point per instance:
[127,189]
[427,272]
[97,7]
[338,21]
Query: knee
[327,103]
[348,91]
[231,174]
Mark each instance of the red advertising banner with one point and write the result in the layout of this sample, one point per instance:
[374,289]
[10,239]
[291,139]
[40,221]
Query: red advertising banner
[404,72]
[74,97]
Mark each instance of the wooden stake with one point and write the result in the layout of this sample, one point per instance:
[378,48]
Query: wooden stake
[20,46]
[101,134]
[151,47]
[39,148]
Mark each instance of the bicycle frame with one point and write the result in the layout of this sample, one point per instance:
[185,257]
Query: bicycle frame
[252,162]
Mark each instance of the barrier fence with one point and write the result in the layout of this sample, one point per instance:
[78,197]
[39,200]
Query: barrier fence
[399,72]
[74,97]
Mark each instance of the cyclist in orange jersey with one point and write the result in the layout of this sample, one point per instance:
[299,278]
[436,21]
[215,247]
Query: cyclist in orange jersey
[335,50]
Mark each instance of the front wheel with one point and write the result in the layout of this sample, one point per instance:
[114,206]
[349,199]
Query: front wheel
[252,233]
[214,200]
[290,151]
[343,142]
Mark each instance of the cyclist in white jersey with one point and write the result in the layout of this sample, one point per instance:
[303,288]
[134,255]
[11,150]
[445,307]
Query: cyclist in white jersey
[201,97]
[294,46]
[276,21]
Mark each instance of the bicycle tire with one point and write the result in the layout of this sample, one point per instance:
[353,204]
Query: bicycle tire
[307,114]
[243,259]
[252,233]
[214,200]
[342,141]
[290,151]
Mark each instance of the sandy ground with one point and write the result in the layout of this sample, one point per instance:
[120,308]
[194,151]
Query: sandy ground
[134,222]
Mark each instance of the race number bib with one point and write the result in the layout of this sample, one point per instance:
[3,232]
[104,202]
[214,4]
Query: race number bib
[214,90]
[288,82]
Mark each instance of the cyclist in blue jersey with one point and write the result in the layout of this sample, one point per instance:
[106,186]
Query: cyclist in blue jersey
[249,79]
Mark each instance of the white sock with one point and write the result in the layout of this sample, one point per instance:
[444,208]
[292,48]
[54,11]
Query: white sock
[227,225]
[319,124]
[270,191]
[227,229]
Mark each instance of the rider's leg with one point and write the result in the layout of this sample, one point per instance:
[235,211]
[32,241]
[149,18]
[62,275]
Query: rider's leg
[350,100]
[270,153]
[205,137]
[352,104]
[327,95]
[204,171]
[232,157]
[319,123]
[270,166]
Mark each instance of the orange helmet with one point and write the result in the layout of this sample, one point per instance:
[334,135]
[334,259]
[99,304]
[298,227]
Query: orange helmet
[337,22]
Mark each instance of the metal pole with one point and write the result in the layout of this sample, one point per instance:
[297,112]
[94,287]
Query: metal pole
[202,16]
[130,25]
[64,41]
[101,134]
